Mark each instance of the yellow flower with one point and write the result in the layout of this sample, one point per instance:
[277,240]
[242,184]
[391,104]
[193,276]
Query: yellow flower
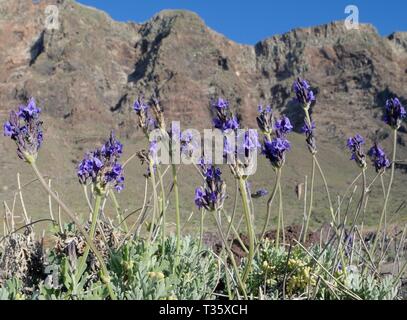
[306,272]
[128,265]
[20,296]
[271,282]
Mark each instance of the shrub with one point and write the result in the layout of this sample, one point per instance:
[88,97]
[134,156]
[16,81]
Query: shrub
[299,274]
[141,271]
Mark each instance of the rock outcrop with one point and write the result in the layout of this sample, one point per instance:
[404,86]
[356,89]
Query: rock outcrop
[87,73]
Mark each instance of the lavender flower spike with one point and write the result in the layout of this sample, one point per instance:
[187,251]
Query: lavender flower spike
[394,113]
[355,146]
[265,119]
[259,193]
[221,104]
[102,168]
[25,129]
[303,92]
[188,143]
[379,158]
[146,121]
[140,105]
[212,195]
[224,118]
[276,150]
[247,142]
[283,126]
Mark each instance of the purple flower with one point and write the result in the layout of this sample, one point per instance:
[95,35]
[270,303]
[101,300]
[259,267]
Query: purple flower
[226,124]
[202,162]
[276,150]
[30,111]
[259,193]
[224,118]
[212,174]
[355,142]
[394,113]
[247,142]
[153,149]
[149,119]
[212,195]
[303,92]
[10,130]
[283,126]
[115,176]
[267,109]
[229,147]
[379,158]
[89,167]
[242,147]
[25,129]
[140,105]
[265,119]
[102,167]
[355,146]
[188,143]
[112,147]
[221,104]
[199,197]
[208,199]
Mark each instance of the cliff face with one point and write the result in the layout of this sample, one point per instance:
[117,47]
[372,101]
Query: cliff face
[92,68]
[86,74]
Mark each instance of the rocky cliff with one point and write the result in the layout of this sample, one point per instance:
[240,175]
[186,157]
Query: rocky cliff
[87,73]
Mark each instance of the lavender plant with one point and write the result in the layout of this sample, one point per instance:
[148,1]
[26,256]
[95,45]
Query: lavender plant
[25,129]
[274,149]
[151,118]
[210,197]
[103,170]
[306,97]
[355,145]
[394,114]
[346,265]
[247,143]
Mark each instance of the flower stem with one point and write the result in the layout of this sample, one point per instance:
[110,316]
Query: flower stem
[362,200]
[163,201]
[315,162]
[201,227]
[240,282]
[243,191]
[177,211]
[269,203]
[95,213]
[311,200]
[155,206]
[118,212]
[386,199]
[73,217]
[308,117]
[280,225]
[331,208]
[232,218]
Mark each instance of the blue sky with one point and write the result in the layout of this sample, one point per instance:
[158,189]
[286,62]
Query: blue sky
[249,21]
